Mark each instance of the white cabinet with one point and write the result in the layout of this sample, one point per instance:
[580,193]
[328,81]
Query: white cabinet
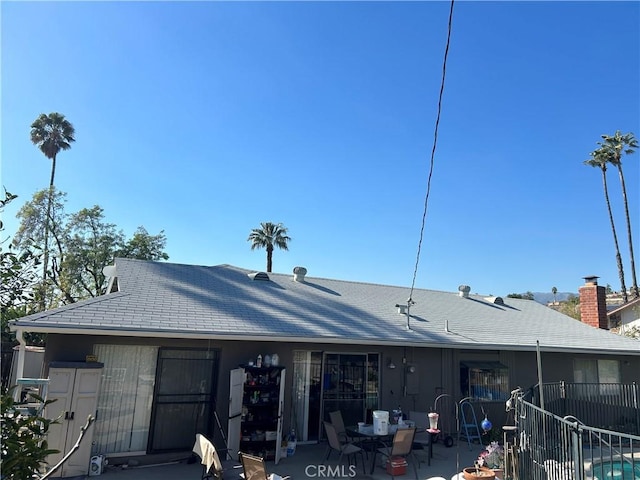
[74,386]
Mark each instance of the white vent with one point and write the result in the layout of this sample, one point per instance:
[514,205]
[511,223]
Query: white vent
[299,274]
[259,276]
[464,290]
[495,300]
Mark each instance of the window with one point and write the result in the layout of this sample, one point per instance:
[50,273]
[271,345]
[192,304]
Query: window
[488,381]
[124,402]
[592,370]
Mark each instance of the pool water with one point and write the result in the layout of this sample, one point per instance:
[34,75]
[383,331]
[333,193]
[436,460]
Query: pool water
[616,471]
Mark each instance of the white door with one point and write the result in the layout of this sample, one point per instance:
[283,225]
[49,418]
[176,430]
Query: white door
[236,390]
[280,413]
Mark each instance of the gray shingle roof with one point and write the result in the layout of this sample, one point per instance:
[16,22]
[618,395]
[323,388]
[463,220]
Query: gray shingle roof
[167,299]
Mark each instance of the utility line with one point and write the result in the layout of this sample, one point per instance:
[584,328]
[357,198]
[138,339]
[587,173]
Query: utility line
[433,151]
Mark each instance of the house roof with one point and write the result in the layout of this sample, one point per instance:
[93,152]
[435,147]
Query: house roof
[223,302]
[619,308]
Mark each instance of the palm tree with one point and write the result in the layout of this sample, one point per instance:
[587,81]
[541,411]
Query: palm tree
[554,291]
[615,146]
[599,159]
[269,235]
[51,133]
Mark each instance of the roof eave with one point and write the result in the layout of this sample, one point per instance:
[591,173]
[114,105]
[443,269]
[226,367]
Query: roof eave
[119,332]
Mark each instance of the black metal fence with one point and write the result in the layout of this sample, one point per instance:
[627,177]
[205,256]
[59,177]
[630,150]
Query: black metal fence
[548,446]
[611,406]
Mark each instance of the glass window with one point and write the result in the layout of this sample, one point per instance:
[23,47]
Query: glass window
[592,370]
[488,381]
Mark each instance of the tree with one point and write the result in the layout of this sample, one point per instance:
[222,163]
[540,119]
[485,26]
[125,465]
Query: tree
[613,148]
[522,296]
[32,232]
[83,244]
[571,307]
[51,133]
[599,159]
[18,278]
[268,236]
[554,291]
[144,246]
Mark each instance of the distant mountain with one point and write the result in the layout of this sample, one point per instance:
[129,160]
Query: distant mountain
[547,297]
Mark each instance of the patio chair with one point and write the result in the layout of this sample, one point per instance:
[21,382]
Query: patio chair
[423,440]
[402,446]
[342,447]
[254,469]
[338,422]
[211,465]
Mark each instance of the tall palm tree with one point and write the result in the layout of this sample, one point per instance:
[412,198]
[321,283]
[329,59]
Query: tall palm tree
[615,146]
[268,236]
[599,159]
[51,133]
[554,291]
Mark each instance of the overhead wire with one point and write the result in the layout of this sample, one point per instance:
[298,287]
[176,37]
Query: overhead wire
[433,149]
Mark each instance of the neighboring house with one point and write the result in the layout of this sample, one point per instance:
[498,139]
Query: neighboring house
[169,335]
[625,317]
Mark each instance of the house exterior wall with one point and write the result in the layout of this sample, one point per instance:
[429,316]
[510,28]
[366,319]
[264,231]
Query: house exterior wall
[437,371]
[630,317]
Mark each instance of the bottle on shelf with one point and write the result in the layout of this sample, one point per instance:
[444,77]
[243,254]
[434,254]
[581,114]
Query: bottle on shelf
[259,361]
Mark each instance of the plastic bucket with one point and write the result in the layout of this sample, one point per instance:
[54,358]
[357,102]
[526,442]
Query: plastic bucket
[380,422]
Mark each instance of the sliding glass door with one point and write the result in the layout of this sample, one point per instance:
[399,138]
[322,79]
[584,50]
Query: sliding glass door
[325,381]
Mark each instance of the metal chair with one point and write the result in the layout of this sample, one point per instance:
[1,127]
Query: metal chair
[338,422]
[402,446]
[254,469]
[342,447]
[211,465]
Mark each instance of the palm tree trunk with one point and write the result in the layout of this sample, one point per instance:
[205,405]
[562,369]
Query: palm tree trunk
[269,258]
[615,237]
[634,287]
[45,263]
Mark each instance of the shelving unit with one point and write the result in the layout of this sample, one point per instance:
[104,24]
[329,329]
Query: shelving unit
[259,429]
[261,411]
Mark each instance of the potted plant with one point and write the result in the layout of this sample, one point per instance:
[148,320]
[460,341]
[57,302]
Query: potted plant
[477,472]
[493,457]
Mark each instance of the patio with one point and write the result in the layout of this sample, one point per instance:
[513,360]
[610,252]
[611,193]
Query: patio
[446,463]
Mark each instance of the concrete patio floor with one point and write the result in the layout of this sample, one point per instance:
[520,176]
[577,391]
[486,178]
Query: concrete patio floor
[303,465]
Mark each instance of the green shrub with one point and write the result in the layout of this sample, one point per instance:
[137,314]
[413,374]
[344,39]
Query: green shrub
[24,439]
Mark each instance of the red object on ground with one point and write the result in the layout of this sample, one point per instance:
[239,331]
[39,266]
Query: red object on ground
[396,466]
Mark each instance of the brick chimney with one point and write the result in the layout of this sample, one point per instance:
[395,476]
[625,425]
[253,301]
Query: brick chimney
[593,304]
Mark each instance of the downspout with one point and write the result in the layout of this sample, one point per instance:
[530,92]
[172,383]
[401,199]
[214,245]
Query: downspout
[22,350]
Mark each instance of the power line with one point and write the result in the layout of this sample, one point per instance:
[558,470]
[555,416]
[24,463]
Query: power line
[433,150]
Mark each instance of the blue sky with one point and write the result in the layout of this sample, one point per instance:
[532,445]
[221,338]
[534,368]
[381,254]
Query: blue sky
[204,119]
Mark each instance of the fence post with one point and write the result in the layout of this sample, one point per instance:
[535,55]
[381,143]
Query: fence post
[578,453]
[635,406]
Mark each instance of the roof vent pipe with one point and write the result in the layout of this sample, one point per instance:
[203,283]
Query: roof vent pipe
[299,273]
[464,290]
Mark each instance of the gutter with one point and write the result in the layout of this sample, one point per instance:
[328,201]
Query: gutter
[21,359]
[58,330]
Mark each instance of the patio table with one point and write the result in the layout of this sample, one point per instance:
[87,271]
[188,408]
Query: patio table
[372,438]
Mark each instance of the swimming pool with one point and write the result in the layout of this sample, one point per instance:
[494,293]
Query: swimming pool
[616,470]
